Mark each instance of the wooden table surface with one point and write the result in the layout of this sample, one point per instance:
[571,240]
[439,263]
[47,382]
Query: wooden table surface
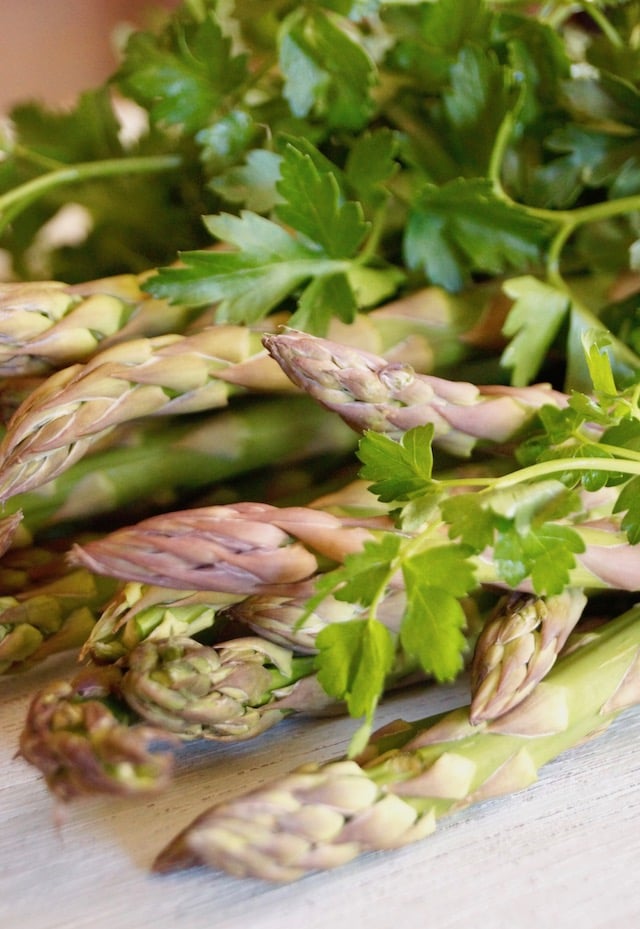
[564,853]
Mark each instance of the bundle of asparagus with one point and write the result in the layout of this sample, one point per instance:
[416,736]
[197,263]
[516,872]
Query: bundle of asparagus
[126,401]
[247,561]
[152,684]
[258,565]
[411,774]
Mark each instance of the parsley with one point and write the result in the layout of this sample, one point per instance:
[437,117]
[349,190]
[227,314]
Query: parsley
[373,146]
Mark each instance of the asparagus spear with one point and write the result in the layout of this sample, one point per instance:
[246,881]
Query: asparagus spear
[77,405]
[370,393]
[517,647]
[48,324]
[96,732]
[247,548]
[50,617]
[280,614]
[138,612]
[232,691]
[156,465]
[413,773]
[241,548]
[84,740]
[64,416]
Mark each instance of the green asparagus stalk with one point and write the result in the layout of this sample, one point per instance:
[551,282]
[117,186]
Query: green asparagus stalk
[517,647]
[232,691]
[138,612]
[411,774]
[248,547]
[46,325]
[157,463]
[114,728]
[78,405]
[186,690]
[178,373]
[82,737]
[49,324]
[369,393]
[50,618]
[241,548]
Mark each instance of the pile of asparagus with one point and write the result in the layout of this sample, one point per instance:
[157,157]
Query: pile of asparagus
[192,619]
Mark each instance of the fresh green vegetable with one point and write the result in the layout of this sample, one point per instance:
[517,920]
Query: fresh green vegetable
[411,774]
[51,617]
[344,152]
[517,647]
[83,738]
[153,464]
[313,163]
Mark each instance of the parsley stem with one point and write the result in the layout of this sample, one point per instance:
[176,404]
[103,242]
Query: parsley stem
[18,198]
[627,454]
[562,465]
[566,221]
[603,23]
[372,242]
[581,215]
[36,158]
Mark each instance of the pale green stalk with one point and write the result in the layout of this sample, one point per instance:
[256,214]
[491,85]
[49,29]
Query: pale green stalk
[139,612]
[46,325]
[78,405]
[240,548]
[231,691]
[174,373]
[247,548]
[280,615]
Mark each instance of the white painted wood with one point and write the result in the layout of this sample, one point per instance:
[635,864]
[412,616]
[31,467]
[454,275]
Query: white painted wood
[565,853]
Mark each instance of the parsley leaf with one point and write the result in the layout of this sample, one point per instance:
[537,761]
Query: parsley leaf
[365,573]
[252,183]
[628,502]
[326,297]
[462,227]
[469,519]
[474,105]
[398,469]
[354,658]
[326,72]
[371,164]
[533,323]
[312,257]
[544,553]
[268,265]
[432,629]
[314,206]
[182,73]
